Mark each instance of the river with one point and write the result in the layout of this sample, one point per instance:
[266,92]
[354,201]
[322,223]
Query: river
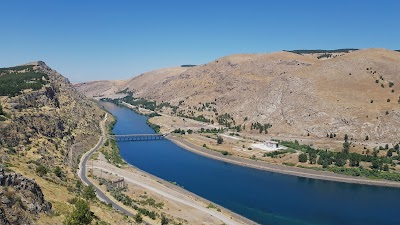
[264,197]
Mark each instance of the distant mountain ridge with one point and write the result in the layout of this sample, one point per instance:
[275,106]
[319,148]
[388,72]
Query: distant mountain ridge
[355,93]
[343,50]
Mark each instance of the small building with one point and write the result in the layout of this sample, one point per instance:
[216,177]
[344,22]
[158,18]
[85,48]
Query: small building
[118,183]
[272,144]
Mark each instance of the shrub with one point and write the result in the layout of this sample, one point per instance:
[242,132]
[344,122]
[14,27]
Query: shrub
[89,193]
[303,157]
[386,167]
[220,140]
[81,214]
[58,172]
[41,170]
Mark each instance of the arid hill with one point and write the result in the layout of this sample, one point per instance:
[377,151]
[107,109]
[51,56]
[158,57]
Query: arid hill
[45,125]
[357,93]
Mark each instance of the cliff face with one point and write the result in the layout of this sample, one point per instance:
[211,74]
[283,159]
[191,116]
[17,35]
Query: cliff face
[45,126]
[21,199]
[55,119]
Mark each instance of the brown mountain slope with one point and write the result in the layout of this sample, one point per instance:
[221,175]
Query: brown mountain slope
[297,94]
[45,125]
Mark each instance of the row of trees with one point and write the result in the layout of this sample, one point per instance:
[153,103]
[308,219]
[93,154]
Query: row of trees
[340,159]
[261,127]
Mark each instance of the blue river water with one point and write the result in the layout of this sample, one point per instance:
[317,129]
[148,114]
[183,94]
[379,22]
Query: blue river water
[264,197]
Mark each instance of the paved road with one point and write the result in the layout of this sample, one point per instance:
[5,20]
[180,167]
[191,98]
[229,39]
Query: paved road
[82,174]
[216,214]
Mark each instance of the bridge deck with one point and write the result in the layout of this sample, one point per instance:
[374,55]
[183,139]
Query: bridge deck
[137,137]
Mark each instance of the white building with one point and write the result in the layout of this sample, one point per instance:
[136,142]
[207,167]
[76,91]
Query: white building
[272,144]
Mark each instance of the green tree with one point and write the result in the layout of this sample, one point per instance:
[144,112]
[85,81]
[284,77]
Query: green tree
[346,137]
[354,160]
[138,218]
[396,147]
[340,159]
[376,164]
[220,140]
[81,214]
[386,167]
[89,193]
[303,157]
[164,220]
[189,131]
[346,147]
[312,156]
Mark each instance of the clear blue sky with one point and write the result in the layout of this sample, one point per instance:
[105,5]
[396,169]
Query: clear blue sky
[93,40]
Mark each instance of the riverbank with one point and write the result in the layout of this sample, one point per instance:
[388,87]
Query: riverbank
[181,205]
[288,170]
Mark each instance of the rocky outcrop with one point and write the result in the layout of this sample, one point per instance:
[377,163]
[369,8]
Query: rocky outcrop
[56,118]
[21,199]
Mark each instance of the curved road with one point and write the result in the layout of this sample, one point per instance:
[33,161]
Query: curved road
[100,194]
[82,173]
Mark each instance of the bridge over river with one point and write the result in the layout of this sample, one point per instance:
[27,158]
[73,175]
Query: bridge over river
[137,137]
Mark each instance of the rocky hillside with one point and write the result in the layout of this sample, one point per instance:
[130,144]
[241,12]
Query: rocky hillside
[49,123]
[21,199]
[45,125]
[357,93]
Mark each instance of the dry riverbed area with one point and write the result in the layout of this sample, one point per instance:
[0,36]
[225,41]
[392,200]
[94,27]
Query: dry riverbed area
[154,196]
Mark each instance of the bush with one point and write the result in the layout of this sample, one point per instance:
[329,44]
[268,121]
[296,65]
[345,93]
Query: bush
[225,153]
[164,220]
[58,172]
[386,167]
[41,170]
[138,218]
[303,157]
[220,140]
[81,214]
[89,193]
